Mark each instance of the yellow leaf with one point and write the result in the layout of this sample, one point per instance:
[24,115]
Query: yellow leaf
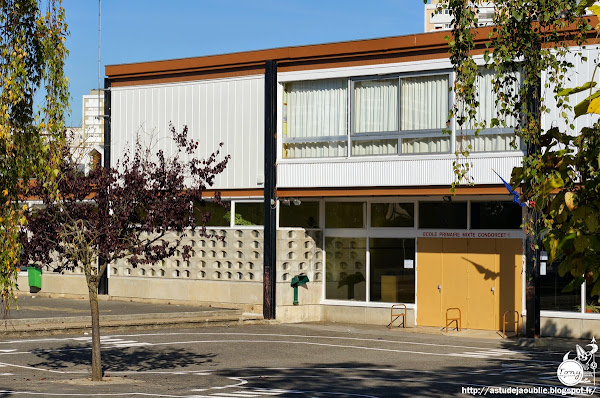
[594,106]
[23,220]
[25,207]
[595,9]
[570,200]
[5,192]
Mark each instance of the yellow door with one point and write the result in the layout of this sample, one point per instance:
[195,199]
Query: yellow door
[483,277]
[454,277]
[429,277]
[510,290]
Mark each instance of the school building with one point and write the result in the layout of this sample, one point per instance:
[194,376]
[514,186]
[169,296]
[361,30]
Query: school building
[363,170]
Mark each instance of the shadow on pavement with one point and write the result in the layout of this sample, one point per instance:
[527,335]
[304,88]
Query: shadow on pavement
[447,377]
[122,359]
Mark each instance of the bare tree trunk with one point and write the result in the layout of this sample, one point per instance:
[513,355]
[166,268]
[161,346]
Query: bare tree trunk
[96,353]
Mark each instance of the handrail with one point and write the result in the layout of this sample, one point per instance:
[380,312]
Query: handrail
[504,323]
[398,314]
[457,320]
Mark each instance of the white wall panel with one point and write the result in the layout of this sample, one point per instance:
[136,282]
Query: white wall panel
[225,110]
[577,76]
[417,171]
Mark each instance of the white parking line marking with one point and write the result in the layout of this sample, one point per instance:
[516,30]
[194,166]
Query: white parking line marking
[140,335]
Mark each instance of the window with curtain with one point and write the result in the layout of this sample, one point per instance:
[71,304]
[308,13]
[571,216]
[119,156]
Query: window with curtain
[383,112]
[488,142]
[376,106]
[315,118]
[424,102]
[426,145]
[489,108]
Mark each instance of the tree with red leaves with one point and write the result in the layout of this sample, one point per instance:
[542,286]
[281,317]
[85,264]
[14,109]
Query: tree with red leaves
[139,211]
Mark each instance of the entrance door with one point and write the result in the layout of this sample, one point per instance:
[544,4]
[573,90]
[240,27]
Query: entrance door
[429,281]
[482,277]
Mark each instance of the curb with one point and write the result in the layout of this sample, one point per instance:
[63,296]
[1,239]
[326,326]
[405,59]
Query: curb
[113,323]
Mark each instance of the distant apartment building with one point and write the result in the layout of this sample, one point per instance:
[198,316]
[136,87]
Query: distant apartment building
[88,140]
[92,120]
[439,18]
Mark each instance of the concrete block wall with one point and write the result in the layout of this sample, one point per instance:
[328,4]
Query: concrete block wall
[239,257]
[299,251]
[220,273]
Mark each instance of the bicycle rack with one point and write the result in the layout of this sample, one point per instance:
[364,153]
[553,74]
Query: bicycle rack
[398,307]
[504,323]
[457,320]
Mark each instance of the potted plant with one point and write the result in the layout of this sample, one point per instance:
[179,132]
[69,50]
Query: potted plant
[592,307]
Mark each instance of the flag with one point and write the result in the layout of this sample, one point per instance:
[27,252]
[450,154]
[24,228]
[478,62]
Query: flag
[515,194]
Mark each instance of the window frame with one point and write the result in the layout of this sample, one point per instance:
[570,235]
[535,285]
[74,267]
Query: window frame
[398,134]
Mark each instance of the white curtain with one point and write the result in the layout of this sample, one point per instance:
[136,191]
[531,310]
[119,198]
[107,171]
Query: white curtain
[488,143]
[316,109]
[426,145]
[315,150]
[488,101]
[376,106]
[424,102]
[374,147]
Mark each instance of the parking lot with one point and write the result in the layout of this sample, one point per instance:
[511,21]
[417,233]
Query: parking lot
[313,360]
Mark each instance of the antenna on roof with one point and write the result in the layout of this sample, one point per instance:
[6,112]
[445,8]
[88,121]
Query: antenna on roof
[100,89]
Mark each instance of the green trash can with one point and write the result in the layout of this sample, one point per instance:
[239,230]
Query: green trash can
[34,275]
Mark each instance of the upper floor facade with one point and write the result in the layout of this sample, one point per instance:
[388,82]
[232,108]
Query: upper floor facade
[370,113]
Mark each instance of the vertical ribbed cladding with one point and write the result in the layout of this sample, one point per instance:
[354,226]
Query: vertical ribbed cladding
[270,227]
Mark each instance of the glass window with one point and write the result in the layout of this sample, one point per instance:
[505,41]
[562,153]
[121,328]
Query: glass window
[443,215]
[489,142]
[424,102]
[489,106]
[376,106]
[344,214]
[345,277]
[390,215]
[216,215]
[313,111]
[374,147]
[306,215]
[249,213]
[426,145]
[392,270]
[496,215]
[552,294]
[330,149]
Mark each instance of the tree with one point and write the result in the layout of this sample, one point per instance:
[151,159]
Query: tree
[139,211]
[560,176]
[31,63]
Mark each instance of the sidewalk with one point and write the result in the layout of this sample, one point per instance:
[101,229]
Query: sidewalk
[44,314]
[51,314]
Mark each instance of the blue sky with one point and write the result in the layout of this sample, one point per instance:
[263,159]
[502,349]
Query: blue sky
[147,30]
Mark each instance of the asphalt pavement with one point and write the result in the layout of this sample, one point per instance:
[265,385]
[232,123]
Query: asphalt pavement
[275,360]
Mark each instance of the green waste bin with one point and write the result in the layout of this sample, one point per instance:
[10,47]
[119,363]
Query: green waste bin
[34,275]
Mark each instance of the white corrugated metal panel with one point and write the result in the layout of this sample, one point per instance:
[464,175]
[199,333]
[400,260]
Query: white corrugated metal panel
[413,171]
[577,76]
[225,110]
